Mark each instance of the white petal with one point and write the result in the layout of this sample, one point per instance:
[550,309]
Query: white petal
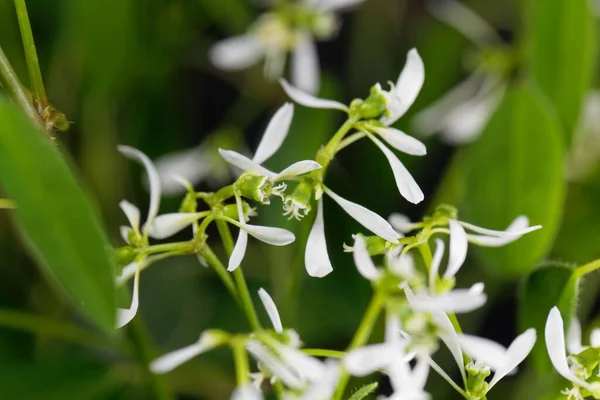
[153,178]
[456,301]
[400,222]
[239,250]
[310,101]
[132,213]
[458,249]
[435,263]
[326,386]
[275,133]
[362,260]
[125,231]
[192,164]
[392,327]
[465,121]
[172,360]
[308,367]
[125,315]
[298,168]
[276,366]
[595,338]
[270,235]
[167,225]
[305,64]
[518,227]
[450,338]
[271,309]
[331,5]
[402,265]
[238,52]
[316,257]
[247,392]
[408,85]
[368,359]
[518,350]
[574,343]
[244,163]
[366,218]
[484,350]
[408,187]
[555,343]
[401,141]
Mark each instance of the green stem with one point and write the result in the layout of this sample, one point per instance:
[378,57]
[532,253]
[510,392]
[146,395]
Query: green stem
[44,326]
[324,353]
[362,335]
[219,268]
[350,139]
[242,369]
[182,247]
[238,276]
[587,268]
[10,82]
[33,66]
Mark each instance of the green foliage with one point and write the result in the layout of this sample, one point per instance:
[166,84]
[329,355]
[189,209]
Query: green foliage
[553,284]
[55,216]
[364,391]
[562,54]
[516,168]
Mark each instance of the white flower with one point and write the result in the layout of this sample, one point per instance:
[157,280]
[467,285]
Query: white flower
[247,392]
[397,100]
[197,164]
[208,340]
[476,235]
[316,257]
[269,235]
[463,112]
[555,343]
[274,34]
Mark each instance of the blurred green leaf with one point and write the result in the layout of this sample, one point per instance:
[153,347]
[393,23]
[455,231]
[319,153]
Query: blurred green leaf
[364,391]
[55,216]
[516,168]
[562,54]
[233,16]
[53,380]
[552,284]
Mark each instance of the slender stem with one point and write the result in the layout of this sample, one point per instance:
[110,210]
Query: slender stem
[44,326]
[324,353]
[362,335]
[238,276]
[10,81]
[444,375]
[33,66]
[219,268]
[333,143]
[587,268]
[242,369]
[349,140]
[187,246]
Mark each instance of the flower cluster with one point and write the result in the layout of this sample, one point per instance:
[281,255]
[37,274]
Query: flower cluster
[420,299]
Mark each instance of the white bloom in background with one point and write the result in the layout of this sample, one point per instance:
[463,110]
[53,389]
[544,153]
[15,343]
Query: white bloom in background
[398,100]
[316,257]
[574,342]
[460,116]
[584,155]
[200,163]
[476,234]
[569,367]
[274,34]
[247,392]
[266,234]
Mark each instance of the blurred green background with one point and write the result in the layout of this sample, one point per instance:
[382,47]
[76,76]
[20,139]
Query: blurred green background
[137,73]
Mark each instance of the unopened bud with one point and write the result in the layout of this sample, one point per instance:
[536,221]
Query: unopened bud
[297,205]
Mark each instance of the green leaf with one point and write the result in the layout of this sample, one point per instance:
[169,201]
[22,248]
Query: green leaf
[516,168]
[562,54]
[552,284]
[364,391]
[55,217]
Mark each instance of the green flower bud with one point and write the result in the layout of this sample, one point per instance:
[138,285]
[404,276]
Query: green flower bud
[230,210]
[375,245]
[445,211]
[124,255]
[477,387]
[258,187]
[586,363]
[297,205]
[375,105]
[189,204]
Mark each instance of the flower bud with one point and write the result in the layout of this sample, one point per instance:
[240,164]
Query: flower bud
[230,210]
[258,188]
[375,105]
[297,205]
[477,387]
[124,255]
[445,211]
[189,203]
